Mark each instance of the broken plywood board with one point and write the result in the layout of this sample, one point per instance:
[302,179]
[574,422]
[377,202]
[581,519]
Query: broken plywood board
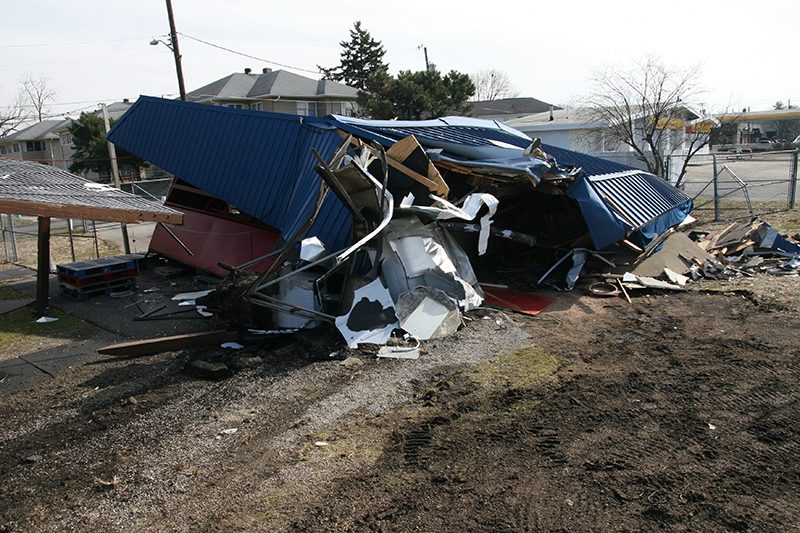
[675,254]
[409,157]
[167,344]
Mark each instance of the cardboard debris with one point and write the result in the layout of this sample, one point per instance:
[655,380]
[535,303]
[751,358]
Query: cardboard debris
[678,253]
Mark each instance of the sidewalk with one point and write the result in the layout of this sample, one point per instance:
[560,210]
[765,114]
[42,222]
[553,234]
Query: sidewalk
[115,318]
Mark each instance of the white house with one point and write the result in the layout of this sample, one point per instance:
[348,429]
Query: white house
[579,130]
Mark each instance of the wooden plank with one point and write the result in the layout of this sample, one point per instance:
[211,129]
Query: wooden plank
[400,152]
[394,163]
[83,212]
[167,344]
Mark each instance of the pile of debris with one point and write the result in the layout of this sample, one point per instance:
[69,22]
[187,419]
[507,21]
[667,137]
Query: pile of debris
[743,249]
[385,226]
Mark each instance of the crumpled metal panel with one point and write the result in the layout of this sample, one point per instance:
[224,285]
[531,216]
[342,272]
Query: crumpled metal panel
[259,162]
[476,142]
[616,205]
[640,195]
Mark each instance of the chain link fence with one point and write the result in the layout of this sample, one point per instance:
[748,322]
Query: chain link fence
[733,185]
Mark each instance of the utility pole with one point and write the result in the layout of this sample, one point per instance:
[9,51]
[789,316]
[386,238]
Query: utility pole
[173,37]
[112,153]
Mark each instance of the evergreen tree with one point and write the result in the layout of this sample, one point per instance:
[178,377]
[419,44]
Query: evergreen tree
[361,57]
[416,95]
[89,139]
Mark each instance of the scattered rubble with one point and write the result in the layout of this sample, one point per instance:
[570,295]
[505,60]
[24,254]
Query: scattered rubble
[419,213]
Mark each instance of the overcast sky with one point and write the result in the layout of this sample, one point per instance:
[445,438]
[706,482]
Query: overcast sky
[97,51]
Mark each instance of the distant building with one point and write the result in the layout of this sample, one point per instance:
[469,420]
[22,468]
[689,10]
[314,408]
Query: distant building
[505,109]
[751,127]
[40,142]
[278,91]
[49,142]
[578,130]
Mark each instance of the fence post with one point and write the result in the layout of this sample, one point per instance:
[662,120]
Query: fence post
[13,239]
[793,186]
[716,190]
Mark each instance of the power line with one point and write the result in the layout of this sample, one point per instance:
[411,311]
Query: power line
[247,55]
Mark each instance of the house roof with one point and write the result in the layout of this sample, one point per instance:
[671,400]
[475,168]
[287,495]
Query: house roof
[509,106]
[49,129]
[562,119]
[45,129]
[31,188]
[245,86]
[577,118]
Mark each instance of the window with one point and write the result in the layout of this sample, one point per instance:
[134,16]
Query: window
[346,109]
[16,147]
[34,146]
[307,108]
[256,106]
[235,106]
[4,149]
[66,139]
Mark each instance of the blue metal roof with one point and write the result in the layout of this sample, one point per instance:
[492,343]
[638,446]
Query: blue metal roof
[591,165]
[474,139]
[262,163]
[259,162]
[640,195]
[617,205]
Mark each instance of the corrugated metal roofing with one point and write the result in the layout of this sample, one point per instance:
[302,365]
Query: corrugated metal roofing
[259,162]
[262,162]
[592,166]
[641,196]
[472,138]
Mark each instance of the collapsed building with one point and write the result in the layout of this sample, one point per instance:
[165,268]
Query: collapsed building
[378,226]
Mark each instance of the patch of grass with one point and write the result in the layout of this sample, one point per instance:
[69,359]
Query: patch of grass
[524,369]
[7,293]
[19,328]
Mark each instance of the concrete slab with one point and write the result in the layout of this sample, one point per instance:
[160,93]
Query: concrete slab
[60,358]
[17,273]
[114,316]
[16,374]
[139,235]
[6,306]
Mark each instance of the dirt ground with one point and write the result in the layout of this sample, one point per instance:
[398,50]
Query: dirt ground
[678,412]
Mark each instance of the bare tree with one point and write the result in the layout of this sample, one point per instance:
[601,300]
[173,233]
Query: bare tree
[492,84]
[645,107]
[12,116]
[37,93]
